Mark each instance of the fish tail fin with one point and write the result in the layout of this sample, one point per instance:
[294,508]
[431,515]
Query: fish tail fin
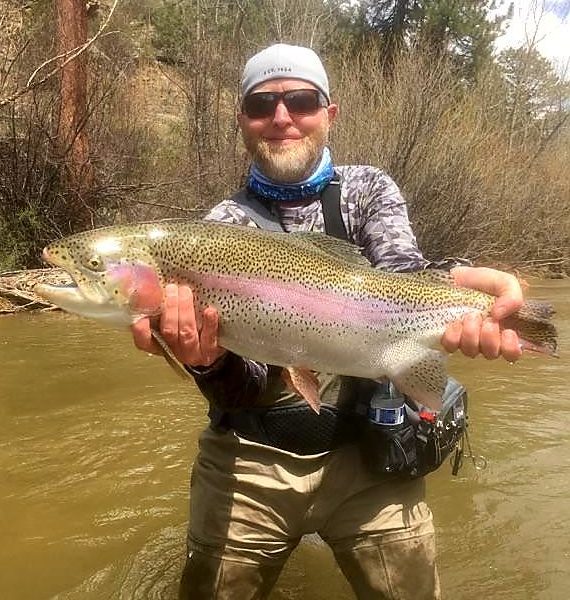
[534,327]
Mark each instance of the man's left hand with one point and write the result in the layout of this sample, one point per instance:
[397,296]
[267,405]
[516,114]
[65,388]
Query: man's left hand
[475,335]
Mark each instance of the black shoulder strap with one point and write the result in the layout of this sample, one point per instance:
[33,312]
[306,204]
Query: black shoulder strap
[257,211]
[264,218]
[330,199]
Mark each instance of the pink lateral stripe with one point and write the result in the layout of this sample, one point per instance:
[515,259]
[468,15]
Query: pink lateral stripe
[321,305]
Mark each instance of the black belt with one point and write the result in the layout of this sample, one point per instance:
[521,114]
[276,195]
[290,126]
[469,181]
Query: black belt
[292,427]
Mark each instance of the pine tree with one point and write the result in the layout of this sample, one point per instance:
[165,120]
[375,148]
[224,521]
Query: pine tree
[461,29]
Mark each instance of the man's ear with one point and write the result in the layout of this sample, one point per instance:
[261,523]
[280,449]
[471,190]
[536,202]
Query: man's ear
[332,110]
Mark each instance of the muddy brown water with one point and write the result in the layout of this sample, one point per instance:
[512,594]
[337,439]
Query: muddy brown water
[96,442]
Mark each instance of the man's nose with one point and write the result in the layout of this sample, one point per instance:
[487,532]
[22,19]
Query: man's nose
[282,116]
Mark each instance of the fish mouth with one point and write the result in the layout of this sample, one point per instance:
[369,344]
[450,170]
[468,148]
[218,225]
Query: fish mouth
[81,287]
[71,293]
[51,291]
[71,298]
[55,293]
[79,290]
[82,295]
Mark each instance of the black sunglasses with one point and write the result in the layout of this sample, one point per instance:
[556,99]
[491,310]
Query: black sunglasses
[299,102]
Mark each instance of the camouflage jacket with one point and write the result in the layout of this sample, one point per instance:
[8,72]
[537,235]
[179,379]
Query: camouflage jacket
[376,219]
[374,213]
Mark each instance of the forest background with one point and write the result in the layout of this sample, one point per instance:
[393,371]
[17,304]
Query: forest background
[125,111]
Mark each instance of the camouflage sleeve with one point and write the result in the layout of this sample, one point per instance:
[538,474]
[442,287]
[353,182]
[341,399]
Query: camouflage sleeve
[233,380]
[382,227]
[377,216]
[446,264]
[228,211]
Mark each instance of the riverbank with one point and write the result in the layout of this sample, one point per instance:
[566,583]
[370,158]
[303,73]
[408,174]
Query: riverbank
[17,289]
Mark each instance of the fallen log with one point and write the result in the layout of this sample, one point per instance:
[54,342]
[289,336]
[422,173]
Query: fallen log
[17,289]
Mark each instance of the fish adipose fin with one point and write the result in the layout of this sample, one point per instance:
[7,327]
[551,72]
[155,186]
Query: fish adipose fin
[305,383]
[169,356]
[417,372]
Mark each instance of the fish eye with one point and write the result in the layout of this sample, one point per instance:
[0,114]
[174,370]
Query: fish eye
[94,263]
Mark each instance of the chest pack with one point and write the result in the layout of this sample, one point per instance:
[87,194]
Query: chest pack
[413,447]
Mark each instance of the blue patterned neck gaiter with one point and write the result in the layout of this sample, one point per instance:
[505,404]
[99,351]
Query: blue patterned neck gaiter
[314,184]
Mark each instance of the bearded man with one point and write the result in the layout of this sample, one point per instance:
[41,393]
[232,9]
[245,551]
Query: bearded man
[268,469]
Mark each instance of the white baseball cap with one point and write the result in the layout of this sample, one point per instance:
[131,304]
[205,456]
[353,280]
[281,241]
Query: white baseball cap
[285,61]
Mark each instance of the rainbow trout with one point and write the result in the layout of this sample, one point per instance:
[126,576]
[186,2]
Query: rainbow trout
[304,301]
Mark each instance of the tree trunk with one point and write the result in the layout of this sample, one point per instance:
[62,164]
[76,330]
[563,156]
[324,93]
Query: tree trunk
[73,143]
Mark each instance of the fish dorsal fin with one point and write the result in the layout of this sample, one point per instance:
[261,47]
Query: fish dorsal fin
[435,276]
[333,247]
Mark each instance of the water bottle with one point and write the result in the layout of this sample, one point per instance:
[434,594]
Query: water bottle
[387,407]
[390,439]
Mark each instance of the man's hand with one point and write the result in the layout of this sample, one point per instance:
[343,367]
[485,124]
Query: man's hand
[193,343]
[475,335]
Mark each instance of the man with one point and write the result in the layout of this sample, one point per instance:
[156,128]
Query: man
[253,493]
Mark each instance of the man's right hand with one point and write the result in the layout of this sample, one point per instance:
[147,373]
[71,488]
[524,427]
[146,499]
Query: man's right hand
[194,343]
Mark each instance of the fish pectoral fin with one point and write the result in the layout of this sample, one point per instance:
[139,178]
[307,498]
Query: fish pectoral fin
[305,383]
[418,372]
[176,365]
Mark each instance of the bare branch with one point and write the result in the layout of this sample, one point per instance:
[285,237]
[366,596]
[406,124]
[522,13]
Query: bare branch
[71,55]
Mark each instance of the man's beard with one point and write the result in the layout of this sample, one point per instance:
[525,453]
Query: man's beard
[290,163]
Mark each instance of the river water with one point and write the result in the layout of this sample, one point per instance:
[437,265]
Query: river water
[96,442]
